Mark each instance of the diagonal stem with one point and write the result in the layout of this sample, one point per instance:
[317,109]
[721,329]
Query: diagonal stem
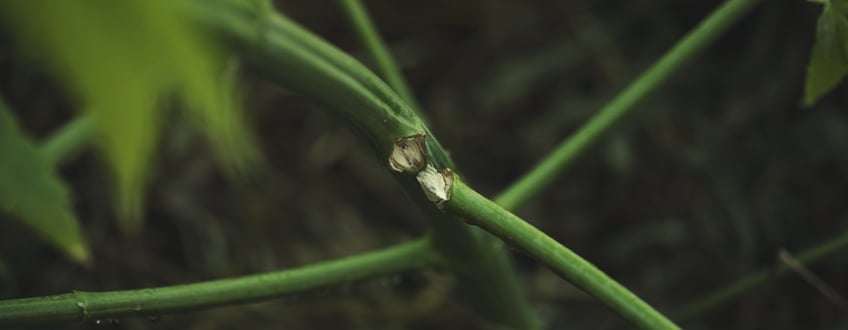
[302,62]
[826,290]
[544,173]
[499,298]
[377,50]
[741,286]
[482,212]
[80,305]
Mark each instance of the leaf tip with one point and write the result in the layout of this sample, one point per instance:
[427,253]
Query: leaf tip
[129,210]
[80,253]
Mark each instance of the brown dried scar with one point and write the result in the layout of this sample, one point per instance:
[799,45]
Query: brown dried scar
[437,185]
[408,154]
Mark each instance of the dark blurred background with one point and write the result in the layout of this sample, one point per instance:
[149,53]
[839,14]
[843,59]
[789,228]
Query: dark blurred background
[705,182]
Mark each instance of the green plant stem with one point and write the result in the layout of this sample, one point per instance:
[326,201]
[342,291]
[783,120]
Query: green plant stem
[745,284]
[518,233]
[466,266]
[302,62]
[486,279]
[544,173]
[69,139]
[80,305]
[297,59]
[377,50]
[388,69]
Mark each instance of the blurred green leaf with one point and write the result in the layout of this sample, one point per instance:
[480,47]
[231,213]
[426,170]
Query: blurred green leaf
[124,59]
[31,190]
[829,56]
[841,5]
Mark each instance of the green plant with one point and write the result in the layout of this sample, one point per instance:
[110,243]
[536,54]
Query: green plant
[387,117]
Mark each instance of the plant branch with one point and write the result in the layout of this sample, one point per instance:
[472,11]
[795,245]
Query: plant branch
[377,50]
[484,253]
[739,287]
[80,305]
[472,206]
[544,173]
[387,67]
[302,62]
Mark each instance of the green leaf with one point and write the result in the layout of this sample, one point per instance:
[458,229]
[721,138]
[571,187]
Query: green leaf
[124,59]
[840,5]
[829,56]
[31,190]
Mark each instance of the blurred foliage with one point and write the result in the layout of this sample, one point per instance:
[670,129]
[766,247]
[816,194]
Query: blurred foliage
[123,60]
[31,190]
[714,174]
[829,55]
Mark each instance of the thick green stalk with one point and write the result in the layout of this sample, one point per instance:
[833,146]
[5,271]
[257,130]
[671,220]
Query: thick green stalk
[300,60]
[485,275]
[377,50]
[69,139]
[80,305]
[745,284]
[466,265]
[470,205]
[564,155]
[387,68]
[304,63]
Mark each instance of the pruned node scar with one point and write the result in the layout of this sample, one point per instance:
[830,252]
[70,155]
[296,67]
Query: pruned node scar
[409,154]
[437,185]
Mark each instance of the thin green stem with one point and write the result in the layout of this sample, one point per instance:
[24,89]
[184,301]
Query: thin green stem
[745,284]
[80,305]
[313,68]
[388,69]
[486,279]
[569,150]
[377,50]
[482,254]
[297,59]
[472,206]
[69,139]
